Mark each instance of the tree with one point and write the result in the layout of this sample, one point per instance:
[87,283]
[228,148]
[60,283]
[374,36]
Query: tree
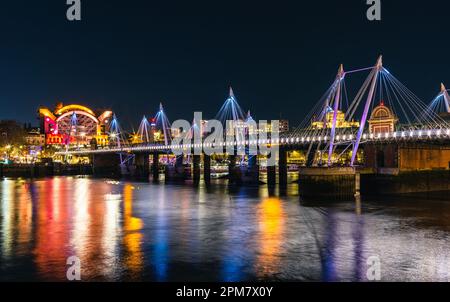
[11,133]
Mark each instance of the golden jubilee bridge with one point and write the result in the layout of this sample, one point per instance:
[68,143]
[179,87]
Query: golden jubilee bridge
[378,139]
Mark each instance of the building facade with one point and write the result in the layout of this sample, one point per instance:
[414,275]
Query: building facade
[75,124]
[382,119]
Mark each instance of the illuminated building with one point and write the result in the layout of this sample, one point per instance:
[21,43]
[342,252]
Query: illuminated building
[382,119]
[239,125]
[75,124]
[340,121]
[156,136]
[34,137]
[284,125]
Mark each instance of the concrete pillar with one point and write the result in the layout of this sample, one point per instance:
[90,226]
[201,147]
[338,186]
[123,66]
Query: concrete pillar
[252,161]
[252,176]
[271,176]
[176,172]
[179,168]
[207,169]
[319,184]
[231,168]
[282,167]
[106,164]
[142,164]
[233,173]
[179,164]
[196,168]
[155,166]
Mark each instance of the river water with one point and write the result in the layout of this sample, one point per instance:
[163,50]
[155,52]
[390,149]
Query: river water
[122,230]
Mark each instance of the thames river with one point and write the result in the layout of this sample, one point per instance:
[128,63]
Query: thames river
[133,231]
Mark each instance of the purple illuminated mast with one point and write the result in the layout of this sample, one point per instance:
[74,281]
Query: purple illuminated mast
[446,97]
[375,72]
[339,78]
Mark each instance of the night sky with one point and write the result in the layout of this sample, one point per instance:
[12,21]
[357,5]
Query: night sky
[279,56]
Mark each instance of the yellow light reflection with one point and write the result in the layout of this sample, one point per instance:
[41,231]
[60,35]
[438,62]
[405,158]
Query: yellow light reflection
[25,215]
[132,237]
[271,219]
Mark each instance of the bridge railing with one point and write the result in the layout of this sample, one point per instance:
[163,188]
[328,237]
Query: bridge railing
[401,135]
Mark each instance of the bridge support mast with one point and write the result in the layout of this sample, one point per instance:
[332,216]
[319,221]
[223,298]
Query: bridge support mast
[339,78]
[375,72]
[446,97]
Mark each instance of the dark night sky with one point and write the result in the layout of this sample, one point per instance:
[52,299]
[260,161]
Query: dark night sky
[279,56]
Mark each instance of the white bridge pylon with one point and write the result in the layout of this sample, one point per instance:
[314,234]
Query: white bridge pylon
[374,75]
[338,84]
[336,116]
[444,93]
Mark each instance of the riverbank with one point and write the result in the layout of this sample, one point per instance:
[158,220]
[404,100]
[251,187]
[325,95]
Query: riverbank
[43,170]
[313,184]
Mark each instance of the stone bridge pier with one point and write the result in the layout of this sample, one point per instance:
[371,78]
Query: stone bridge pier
[106,165]
[207,169]
[176,172]
[142,166]
[282,166]
[155,166]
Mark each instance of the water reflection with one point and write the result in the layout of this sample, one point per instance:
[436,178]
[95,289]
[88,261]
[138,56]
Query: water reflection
[132,235]
[111,231]
[238,230]
[328,249]
[160,243]
[25,215]
[139,231]
[83,226]
[52,234]
[6,215]
[271,219]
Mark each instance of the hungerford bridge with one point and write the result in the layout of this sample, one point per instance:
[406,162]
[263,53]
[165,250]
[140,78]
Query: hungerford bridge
[383,139]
